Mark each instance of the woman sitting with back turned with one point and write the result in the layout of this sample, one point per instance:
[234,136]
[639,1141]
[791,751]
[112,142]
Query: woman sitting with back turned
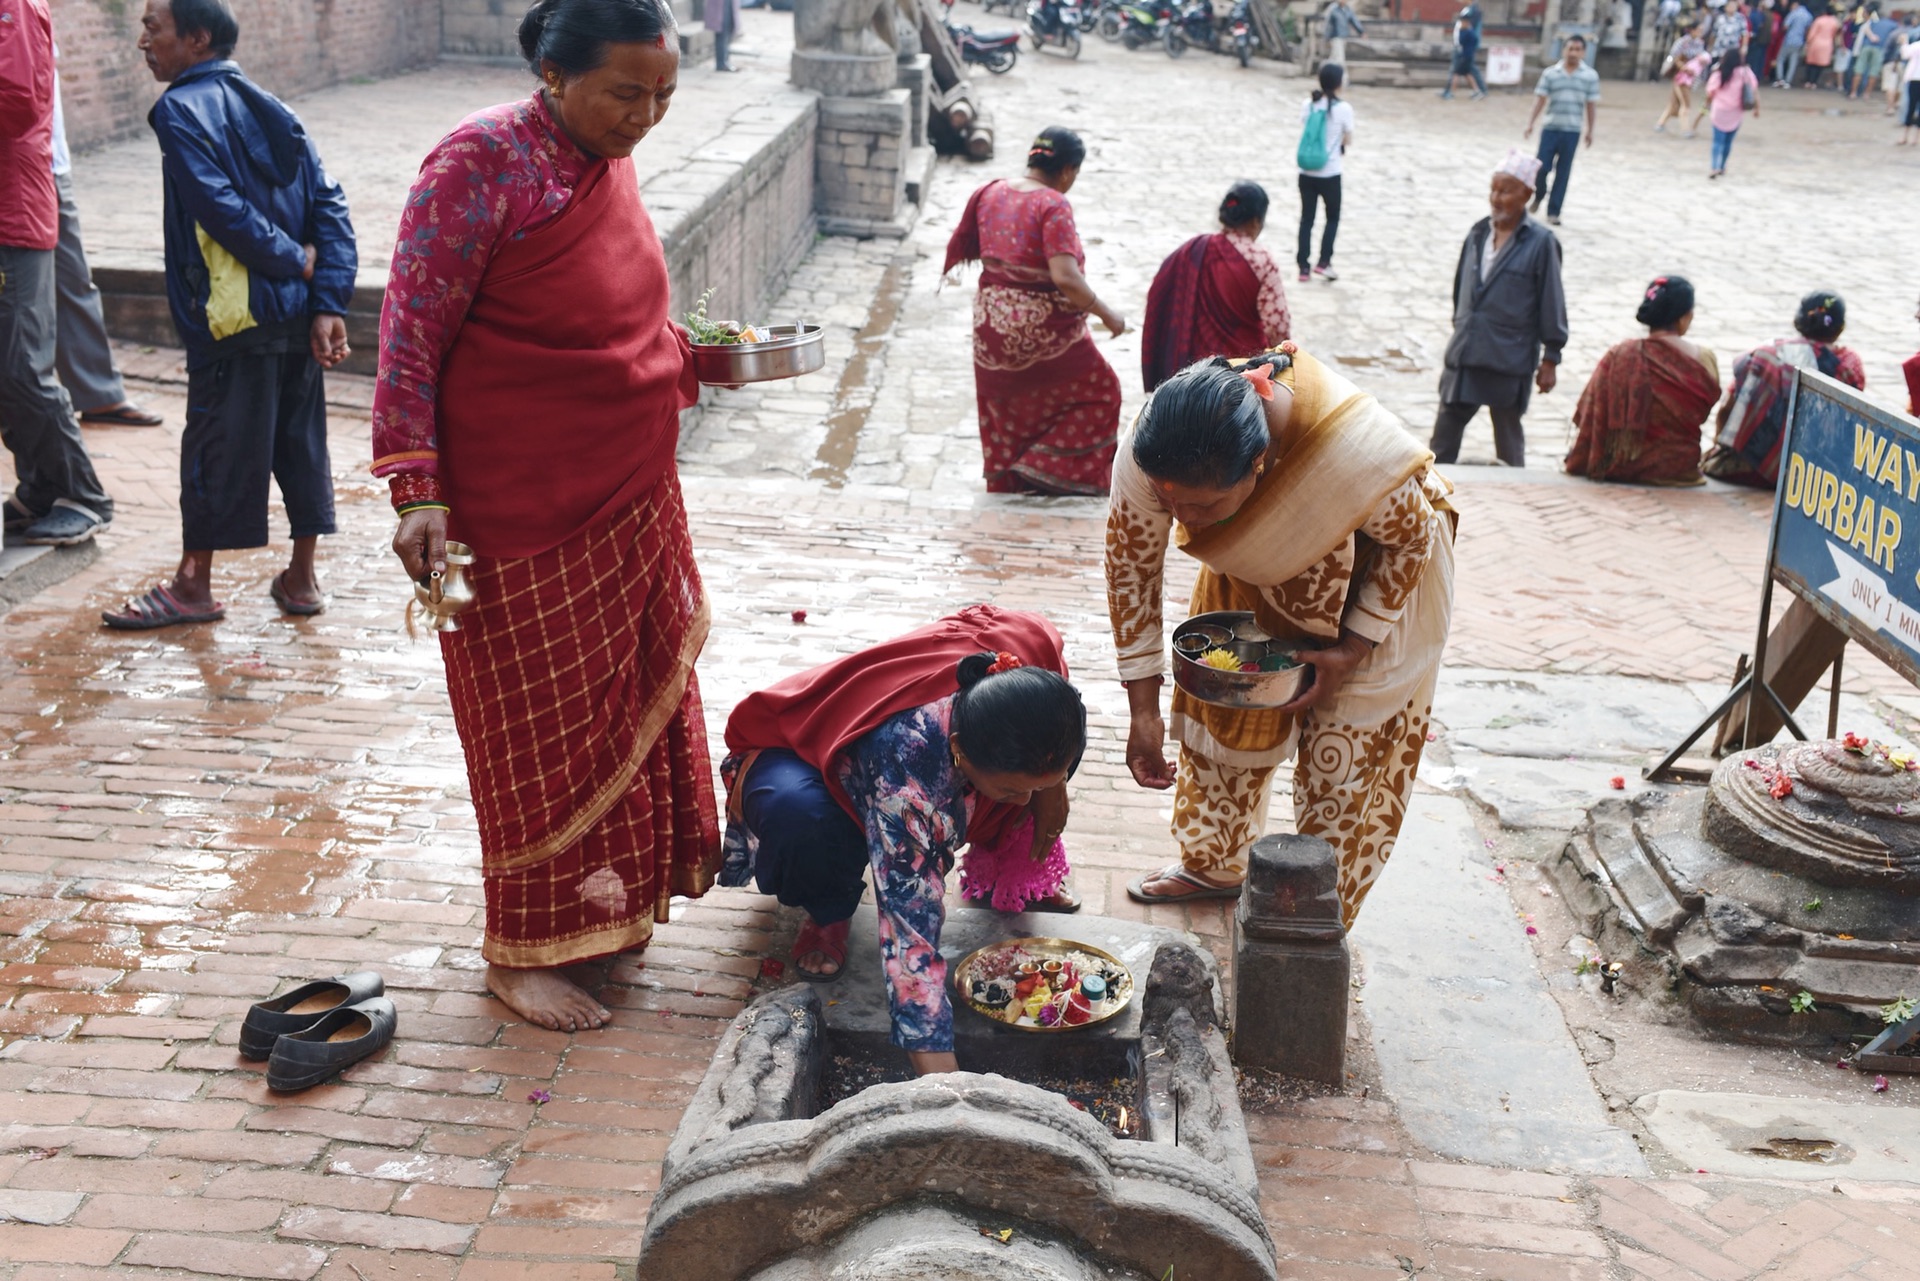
[1753,418]
[1641,414]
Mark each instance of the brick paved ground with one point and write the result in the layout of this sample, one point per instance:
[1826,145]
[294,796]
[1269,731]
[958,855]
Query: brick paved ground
[191,821]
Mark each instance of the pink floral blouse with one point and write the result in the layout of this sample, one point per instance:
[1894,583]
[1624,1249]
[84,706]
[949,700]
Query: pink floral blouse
[1275,320]
[500,174]
[1022,231]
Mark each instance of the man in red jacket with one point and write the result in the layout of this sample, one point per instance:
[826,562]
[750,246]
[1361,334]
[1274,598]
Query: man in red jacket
[58,501]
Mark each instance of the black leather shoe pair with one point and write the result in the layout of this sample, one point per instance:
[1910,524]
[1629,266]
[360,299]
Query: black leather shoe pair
[317,1029]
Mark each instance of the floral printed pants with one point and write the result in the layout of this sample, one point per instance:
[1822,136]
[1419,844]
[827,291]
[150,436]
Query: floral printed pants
[1350,788]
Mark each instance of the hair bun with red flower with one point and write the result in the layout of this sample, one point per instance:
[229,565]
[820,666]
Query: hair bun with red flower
[1003,662]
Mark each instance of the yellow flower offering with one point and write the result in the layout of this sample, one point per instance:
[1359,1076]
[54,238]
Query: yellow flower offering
[1037,1002]
[1223,659]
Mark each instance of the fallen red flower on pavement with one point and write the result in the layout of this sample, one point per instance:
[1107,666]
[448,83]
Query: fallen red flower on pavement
[1617,783]
[772,969]
[799,615]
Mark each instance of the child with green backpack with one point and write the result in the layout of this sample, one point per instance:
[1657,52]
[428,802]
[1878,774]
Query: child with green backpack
[1326,127]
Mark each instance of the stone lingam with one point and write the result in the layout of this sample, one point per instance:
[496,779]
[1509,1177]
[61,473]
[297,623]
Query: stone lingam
[1796,871]
[967,1176]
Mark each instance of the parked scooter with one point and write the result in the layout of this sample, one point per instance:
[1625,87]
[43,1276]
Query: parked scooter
[1193,24]
[997,51]
[1105,18]
[1055,22]
[1144,24]
[1246,37]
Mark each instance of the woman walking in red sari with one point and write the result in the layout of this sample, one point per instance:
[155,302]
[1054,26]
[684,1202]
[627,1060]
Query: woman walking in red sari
[1216,295]
[1049,401]
[1641,414]
[528,405]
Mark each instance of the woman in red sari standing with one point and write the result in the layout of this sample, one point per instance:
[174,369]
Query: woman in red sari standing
[1216,295]
[1641,413]
[528,405]
[1049,401]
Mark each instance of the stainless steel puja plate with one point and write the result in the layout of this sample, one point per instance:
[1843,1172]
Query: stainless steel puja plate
[1005,964]
[1278,674]
[787,352]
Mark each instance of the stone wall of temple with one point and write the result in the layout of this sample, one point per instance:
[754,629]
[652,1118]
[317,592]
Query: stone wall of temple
[288,46]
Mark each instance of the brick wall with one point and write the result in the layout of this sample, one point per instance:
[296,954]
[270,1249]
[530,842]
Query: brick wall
[289,46]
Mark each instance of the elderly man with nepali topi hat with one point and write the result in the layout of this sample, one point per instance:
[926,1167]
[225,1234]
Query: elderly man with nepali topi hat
[1509,319]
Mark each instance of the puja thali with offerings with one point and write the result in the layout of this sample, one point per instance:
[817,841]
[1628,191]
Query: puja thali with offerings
[1043,984]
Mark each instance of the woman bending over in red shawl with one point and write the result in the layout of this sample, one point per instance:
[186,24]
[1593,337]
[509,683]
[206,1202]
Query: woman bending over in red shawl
[1641,414]
[1049,402]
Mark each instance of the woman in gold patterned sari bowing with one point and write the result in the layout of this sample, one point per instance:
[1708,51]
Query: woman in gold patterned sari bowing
[1307,503]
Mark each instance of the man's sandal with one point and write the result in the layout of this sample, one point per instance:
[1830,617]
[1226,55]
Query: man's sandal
[125,414]
[159,607]
[291,605]
[829,941]
[1195,888]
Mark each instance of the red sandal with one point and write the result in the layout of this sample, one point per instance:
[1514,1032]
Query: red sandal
[828,940]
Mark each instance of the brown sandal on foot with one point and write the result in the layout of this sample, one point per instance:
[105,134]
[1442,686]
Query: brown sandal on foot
[1195,888]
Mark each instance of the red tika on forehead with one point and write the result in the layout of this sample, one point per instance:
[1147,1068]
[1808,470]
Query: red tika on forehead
[660,41]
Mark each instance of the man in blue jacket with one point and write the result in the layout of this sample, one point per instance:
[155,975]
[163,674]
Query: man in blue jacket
[260,267]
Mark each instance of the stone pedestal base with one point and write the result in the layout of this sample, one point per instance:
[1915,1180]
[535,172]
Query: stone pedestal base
[696,42]
[916,77]
[861,156]
[844,75]
[1291,969]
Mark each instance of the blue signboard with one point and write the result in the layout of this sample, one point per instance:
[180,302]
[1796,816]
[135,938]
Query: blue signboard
[1846,518]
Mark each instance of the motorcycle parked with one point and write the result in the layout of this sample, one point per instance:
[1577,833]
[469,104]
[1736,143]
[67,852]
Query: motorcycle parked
[1055,22]
[1144,24]
[1246,37]
[1192,25]
[1105,18]
[997,51]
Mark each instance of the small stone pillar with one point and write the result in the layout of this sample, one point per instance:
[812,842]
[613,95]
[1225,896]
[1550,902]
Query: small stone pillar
[696,42]
[1291,969]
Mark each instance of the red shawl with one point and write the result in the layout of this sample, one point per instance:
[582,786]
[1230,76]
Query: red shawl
[1205,302]
[1641,413]
[560,400]
[818,714]
[964,244]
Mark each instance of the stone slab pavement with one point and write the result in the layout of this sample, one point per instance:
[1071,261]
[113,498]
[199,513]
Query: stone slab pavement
[191,821]
[1471,984]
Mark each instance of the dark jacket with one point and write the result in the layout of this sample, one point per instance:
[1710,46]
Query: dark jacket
[245,192]
[1502,325]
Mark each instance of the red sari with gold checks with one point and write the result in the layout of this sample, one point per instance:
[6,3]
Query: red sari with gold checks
[530,380]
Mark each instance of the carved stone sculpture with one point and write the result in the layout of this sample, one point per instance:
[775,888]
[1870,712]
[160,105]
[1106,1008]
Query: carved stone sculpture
[898,1182]
[845,48]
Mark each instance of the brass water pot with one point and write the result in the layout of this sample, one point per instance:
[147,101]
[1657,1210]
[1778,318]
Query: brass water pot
[445,596]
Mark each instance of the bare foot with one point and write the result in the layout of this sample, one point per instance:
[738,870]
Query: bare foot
[547,998]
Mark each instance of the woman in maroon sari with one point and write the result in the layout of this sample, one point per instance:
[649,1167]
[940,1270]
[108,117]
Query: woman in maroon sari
[1049,401]
[528,405]
[1216,295]
[1641,414]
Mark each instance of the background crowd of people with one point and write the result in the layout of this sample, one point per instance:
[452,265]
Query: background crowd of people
[1860,51]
